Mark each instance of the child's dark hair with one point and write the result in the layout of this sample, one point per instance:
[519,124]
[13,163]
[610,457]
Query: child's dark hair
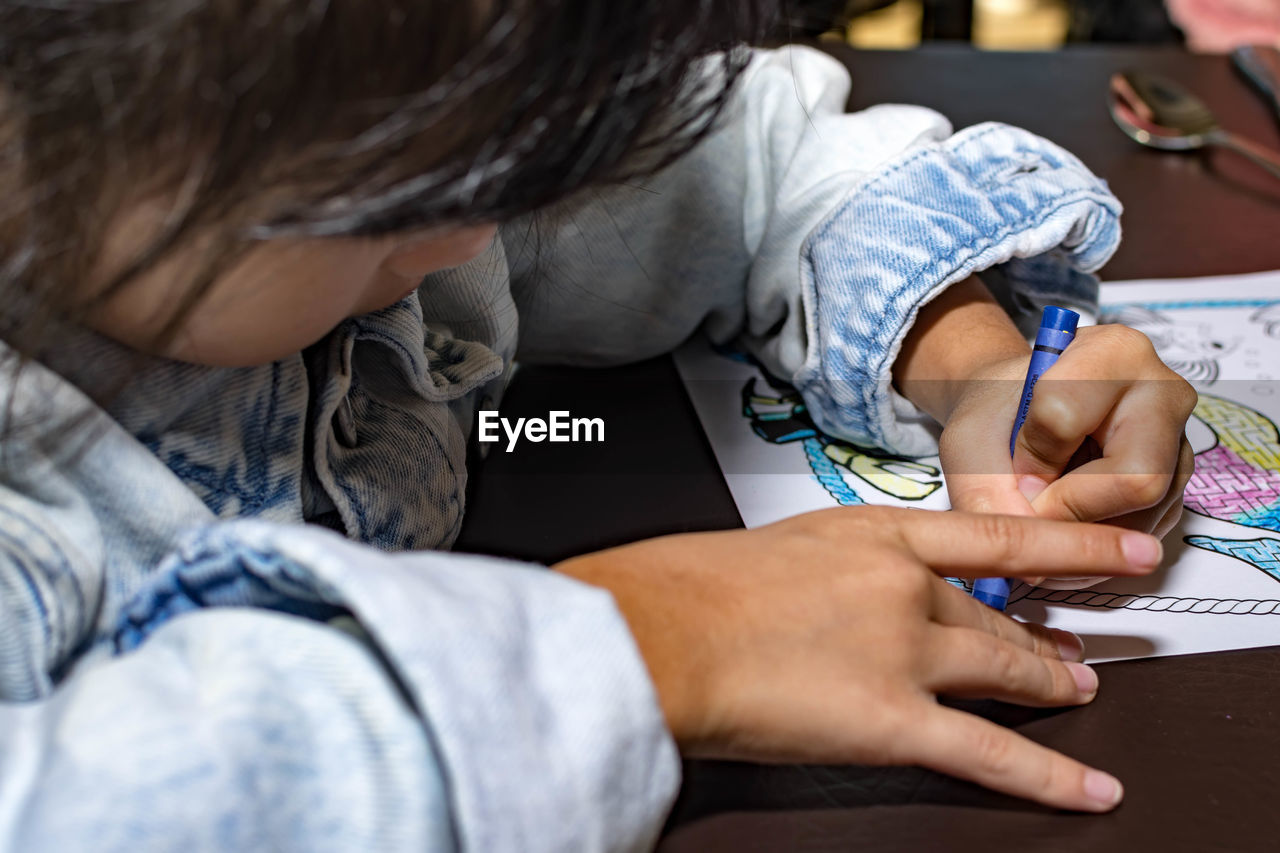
[265,118]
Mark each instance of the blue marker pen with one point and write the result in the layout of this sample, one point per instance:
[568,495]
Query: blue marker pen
[1057,329]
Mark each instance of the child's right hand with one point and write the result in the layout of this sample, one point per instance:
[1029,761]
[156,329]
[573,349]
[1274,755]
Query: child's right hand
[827,638]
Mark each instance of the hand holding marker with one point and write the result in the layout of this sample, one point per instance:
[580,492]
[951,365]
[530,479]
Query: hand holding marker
[1057,329]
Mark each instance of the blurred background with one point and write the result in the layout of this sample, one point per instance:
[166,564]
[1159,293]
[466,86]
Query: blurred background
[1005,24]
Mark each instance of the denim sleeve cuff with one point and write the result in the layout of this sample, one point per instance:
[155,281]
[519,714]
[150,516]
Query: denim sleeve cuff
[990,196]
[529,684]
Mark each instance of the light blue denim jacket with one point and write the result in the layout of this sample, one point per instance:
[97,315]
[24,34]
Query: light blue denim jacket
[187,664]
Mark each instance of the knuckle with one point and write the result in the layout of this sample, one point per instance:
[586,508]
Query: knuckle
[821,526]
[1063,687]
[995,752]
[952,443]
[1130,341]
[1077,507]
[981,498]
[917,582]
[1187,397]
[879,515]
[1053,417]
[1186,467]
[1185,473]
[891,718]
[1040,640]
[1099,547]
[1186,456]
[1169,521]
[1142,490]
[1005,537]
[869,524]
[1055,777]
[905,584]
[1007,665]
[811,523]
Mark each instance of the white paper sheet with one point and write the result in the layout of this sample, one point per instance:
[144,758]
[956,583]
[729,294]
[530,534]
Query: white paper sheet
[1220,585]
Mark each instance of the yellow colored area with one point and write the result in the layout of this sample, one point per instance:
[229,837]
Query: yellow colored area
[997,25]
[1248,434]
[880,473]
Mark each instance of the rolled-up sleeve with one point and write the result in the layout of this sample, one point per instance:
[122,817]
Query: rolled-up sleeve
[989,197]
[811,237]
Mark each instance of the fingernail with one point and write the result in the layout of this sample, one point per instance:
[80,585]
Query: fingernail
[1070,646]
[1031,487]
[1103,788]
[1086,678]
[1141,551]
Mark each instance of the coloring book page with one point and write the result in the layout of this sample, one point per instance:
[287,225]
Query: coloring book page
[1219,586]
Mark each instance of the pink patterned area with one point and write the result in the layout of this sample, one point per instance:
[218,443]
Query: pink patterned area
[1226,487]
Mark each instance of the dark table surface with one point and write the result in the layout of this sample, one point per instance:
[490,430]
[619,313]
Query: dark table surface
[1196,739]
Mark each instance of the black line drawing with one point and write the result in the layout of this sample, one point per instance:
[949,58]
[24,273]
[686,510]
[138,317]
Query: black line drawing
[1190,349]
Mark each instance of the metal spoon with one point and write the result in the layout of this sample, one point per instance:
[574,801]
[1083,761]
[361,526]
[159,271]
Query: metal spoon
[1260,65]
[1159,113]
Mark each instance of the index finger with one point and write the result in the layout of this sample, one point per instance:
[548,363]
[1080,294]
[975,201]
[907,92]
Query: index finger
[1063,413]
[1140,460]
[981,545]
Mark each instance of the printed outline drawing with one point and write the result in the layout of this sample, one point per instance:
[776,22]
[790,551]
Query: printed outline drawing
[1237,480]
[1244,463]
[1153,603]
[1188,352]
[1269,317]
[780,417]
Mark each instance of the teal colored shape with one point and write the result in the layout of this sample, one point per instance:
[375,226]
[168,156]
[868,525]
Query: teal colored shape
[1263,554]
[829,476]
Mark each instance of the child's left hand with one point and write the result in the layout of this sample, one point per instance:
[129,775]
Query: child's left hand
[1103,440]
